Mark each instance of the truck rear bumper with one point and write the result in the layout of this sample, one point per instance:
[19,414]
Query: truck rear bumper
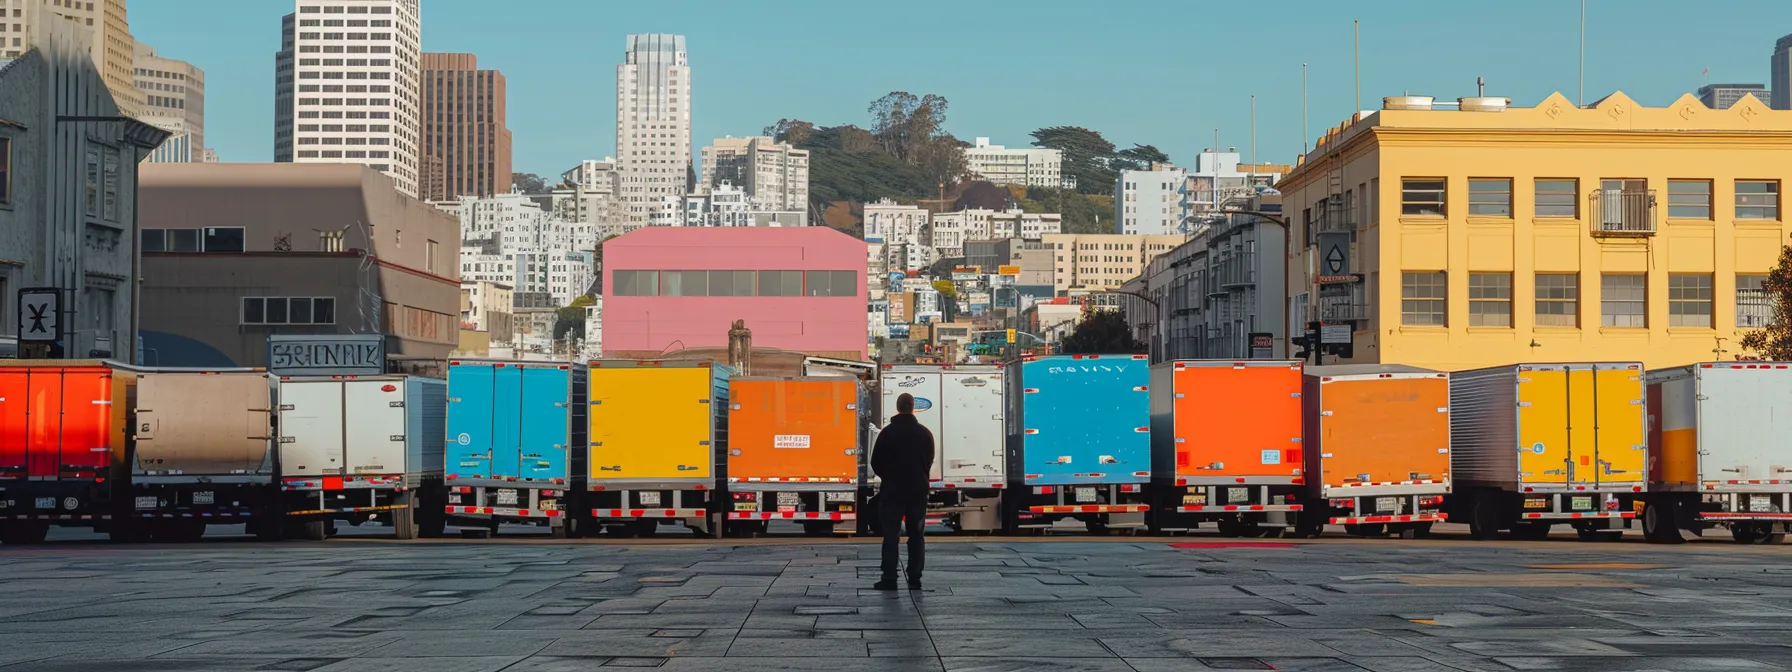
[57,516]
[351,509]
[1238,508]
[1421,518]
[1726,516]
[638,514]
[1579,515]
[1091,508]
[792,515]
[499,511]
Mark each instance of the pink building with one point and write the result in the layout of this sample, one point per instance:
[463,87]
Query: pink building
[671,288]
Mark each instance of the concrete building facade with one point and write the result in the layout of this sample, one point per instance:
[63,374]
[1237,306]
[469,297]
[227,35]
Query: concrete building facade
[1216,290]
[348,87]
[234,253]
[1780,65]
[1098,261]
[508,239]
[653,127]
[800,289]
[1722,96]
[487,307]
[172,90]
[68,205]
[466,139]
[1025,167]
[111,46]
[1460,238]
[1150,202]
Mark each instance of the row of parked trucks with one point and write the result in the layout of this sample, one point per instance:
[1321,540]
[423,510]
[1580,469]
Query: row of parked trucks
[1254,448]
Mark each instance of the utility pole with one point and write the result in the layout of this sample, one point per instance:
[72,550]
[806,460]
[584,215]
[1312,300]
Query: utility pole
[1357,39]
[1303,108]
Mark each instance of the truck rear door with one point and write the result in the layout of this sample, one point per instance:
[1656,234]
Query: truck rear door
[793,429]
[971,433]
[543,415]
[651,422]
[1544,418]
[1620,456]
[1212,397]
[374,419]
[15,398]
[1087,419]
[43,445]
[470,418]
[1739,409]
[930,408]
[507,431]
[202,423]
[1382,430]
[311,428]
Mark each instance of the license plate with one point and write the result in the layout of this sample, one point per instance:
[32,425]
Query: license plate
[846,508]
[547,505]
[791,499]
[1193,499]
[146,503]
[649,498]
[746,506]
[507,497]
[1236,495]
[1580,503]
[202,498]
[1085,495]
[1387,504]
[1760,504]
[46,502]
[1536,503]
[839,496]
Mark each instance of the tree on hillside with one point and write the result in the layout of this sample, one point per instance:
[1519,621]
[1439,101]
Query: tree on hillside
[1139,157]
[1101,332]
[984,195]
[528,183]
[905,123]
[942,160]
[794,132]
[1087,156]
[1082,213]
[1774,342]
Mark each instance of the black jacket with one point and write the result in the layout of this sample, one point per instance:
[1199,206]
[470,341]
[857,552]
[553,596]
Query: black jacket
[903,457]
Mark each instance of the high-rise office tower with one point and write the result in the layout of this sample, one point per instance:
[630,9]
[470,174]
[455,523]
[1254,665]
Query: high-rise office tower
[653,126]
[1781,84]
[1722,96]
[348,87]
[174,99]
[113,47]
[466,144]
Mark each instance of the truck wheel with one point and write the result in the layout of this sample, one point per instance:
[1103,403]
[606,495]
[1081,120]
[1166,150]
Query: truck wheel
[1757,533]
[23,533]
[317,529]
[1417,531]
[1097,528]
[404,521]
[1659,522]
[558,531]
[432,522]
[1484,517]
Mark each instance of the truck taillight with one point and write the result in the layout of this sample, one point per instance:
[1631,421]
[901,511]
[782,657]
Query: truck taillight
[1044,490]
[745,496]
[1131,488]
[1343,503]
[1431,502]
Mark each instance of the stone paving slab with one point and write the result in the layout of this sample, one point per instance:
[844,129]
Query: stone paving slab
[991,605]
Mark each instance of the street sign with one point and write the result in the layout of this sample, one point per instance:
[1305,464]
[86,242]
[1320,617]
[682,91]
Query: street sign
[1010,335]
[1007,270]
[335,355]
[39,308]
[1334,254]
[1334,334]
[1263,345]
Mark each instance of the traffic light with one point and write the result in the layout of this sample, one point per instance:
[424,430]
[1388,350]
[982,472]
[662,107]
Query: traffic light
[1301,342]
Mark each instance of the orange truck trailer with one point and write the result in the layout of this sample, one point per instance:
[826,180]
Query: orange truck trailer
[793,453]
[63,450]
[1377,449]
[1226,445]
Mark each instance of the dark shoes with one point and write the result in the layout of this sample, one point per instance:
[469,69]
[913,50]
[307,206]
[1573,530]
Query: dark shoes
[890,584]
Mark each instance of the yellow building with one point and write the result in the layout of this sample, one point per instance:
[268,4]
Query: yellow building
[1473,234]
[1099,261]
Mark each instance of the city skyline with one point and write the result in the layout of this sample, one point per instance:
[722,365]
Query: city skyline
[562,111]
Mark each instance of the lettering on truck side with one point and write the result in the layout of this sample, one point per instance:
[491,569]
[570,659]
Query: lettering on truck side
[1096,368]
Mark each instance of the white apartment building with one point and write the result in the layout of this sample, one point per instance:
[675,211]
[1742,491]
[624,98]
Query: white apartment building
[1027,167]
[507,239]
[775,176]
[1103,260]
[173,90]
[890,222]
[1150,202]
[950,230]
[725,160]
[653,127]
[729,205]
[347,86]
[1218,178]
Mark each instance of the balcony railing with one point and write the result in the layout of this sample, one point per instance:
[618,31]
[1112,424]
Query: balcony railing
[1623,212]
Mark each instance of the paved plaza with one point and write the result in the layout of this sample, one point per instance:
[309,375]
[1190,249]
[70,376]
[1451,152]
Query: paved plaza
[1070,605]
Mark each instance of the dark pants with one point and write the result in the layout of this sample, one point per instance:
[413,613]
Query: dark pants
[891,515]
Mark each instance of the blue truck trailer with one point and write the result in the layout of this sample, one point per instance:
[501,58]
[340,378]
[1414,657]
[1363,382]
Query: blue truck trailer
[1079,441]
[516,437]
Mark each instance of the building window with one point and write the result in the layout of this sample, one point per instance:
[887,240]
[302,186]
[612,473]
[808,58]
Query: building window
[223,239]
[1422,197]
[1689,199]
[832,283]
[289,310]
[684,283]
[1558,300]
[1754,305]
[5,171]
[93,182]
[209,239]
[780,283]
[1424,299]
[1689,300]
[1489,197]
[1624,300]
[1558,198]
[1757,199]
[1490,299]
[636,283]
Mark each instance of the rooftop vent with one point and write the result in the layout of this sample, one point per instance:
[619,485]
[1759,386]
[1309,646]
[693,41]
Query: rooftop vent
[1483,104]
[1406,103]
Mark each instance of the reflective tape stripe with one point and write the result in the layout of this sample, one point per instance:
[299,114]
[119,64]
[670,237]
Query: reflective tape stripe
[1723,515]
[1570,516]
[647,513]
[1425,518]
[1091,508]
[791,515]
[1240,507]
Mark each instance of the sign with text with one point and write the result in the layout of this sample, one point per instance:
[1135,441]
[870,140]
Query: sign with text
[335,355]
[1263,345]
[1007,270]
[1334,334]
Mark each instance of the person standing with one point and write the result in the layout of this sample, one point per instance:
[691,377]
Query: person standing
[903,458]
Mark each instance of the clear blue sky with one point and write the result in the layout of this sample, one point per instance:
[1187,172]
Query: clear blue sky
[1140,71]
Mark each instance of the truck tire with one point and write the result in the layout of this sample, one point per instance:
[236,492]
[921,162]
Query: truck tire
[1484,516]
[1660,524]
[1757,533]
[404,521]
[317,529]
